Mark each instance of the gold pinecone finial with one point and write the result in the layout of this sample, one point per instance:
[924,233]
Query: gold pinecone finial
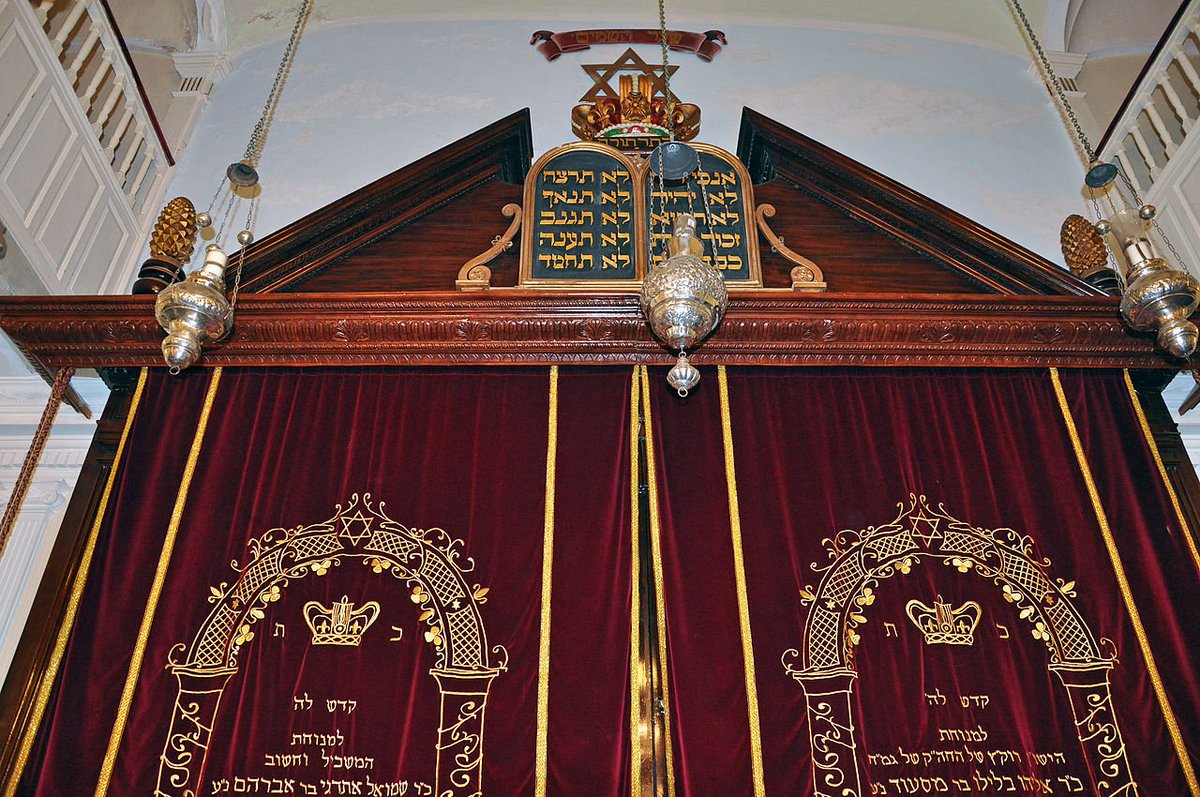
[1082,246]
[174,235]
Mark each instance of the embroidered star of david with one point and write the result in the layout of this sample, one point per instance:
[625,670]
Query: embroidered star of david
[629,61]
[924,527]
[356,527]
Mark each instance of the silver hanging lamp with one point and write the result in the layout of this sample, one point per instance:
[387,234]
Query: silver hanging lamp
[195,312]
[683,298]
[1157,297]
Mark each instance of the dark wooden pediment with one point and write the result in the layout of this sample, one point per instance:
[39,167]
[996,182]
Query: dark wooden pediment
[409,230]
[871,233]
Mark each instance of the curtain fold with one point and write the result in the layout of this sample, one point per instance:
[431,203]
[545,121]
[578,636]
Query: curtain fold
[931,601]
[1156,548]
[353,599]
[87,687]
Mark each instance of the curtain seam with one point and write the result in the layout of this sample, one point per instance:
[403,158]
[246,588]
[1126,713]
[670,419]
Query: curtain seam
[1135,619]
[637,673]
[659,593]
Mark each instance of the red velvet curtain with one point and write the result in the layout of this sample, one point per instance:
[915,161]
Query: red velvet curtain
[982,599]
[412,505]
[916,549]
[1147,529]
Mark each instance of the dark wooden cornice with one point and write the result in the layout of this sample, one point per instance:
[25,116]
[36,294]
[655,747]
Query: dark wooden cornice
[531,327]
[502,150]
[987,258]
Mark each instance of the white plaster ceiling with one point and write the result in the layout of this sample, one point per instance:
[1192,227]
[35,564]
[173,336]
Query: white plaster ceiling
[161,24]
[989,21]
[171,24]
[1103,27]
[1110,27]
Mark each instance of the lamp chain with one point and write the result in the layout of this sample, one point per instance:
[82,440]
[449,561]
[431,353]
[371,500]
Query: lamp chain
[237,277]
[1052,80]
[662,29]
[258,138]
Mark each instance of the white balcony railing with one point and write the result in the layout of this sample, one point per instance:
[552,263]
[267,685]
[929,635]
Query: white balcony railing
[1155,138]
[82,168]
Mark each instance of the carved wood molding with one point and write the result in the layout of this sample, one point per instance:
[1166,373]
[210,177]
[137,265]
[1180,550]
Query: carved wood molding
[540,327]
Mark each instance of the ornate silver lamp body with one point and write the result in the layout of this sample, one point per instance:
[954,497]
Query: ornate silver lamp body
[195,311]
[684,299]
[1157,297]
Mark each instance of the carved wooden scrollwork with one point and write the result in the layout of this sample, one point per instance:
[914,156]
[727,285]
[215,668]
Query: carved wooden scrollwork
[806,275]
[475,274]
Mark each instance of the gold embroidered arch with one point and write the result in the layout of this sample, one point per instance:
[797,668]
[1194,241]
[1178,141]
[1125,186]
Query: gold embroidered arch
[860,560]
[429,560]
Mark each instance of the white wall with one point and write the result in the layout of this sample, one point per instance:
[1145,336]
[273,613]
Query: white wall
[966,124]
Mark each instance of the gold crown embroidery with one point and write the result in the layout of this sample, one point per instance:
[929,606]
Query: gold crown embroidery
[944,625]
[341,623]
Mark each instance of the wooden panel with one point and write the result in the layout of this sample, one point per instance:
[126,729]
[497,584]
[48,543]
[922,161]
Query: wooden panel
[69,217]
[854,256]
[426,254]
[35,166]
[23,75]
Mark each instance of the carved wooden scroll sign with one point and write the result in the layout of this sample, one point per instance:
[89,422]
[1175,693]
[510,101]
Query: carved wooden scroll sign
[706,45]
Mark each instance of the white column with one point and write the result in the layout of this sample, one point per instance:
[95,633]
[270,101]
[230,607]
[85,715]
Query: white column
[198,73]
[1067,66]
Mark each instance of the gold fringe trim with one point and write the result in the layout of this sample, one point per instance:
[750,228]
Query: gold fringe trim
[739,571]
[1135,618]
[543,695]
[638,740]
[46,685]
[1162,469]
[656,560]
[156,588]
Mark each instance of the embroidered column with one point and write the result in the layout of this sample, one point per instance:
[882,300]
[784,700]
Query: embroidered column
[460,736]
[181,767]
[1099,735]
[831,731]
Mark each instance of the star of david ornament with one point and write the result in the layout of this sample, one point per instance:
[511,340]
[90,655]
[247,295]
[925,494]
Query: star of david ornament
[924,527]
[356,527]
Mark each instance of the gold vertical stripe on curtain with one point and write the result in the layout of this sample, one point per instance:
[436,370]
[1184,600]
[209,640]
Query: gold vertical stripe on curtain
[46,684]
[656,561]
[156,587]
[543,693]
[739,571]
[1135,618]
[637,672]
[1162,470]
